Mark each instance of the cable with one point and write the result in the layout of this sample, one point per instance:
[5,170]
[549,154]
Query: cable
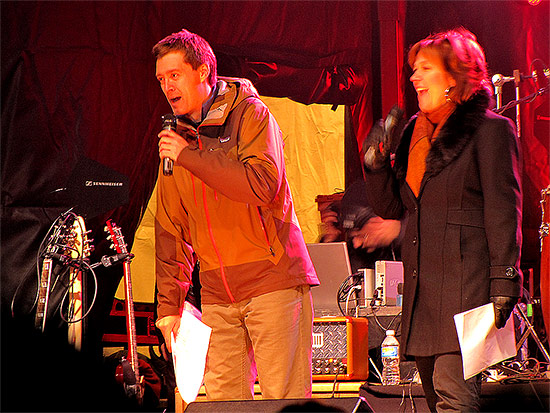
[529,98]
[374,309]
[377,372]
[526,99]
[91,304]
[346,286]
[518,372]
[334,383]
[56,245]
[41,248]
[351,290]
[413,404]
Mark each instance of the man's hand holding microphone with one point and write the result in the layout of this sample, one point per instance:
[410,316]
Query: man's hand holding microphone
[170,144]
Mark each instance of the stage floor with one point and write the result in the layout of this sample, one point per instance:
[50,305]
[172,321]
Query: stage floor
[496,397]
[321,390]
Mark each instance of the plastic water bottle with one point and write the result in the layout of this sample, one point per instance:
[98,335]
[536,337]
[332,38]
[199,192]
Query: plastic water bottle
[390,359]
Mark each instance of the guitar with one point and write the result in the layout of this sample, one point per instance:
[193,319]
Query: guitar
[67,243]
[128,370]
[80,249]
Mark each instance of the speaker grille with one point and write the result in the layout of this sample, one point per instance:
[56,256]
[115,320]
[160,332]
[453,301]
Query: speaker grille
[340,347]
[329,340]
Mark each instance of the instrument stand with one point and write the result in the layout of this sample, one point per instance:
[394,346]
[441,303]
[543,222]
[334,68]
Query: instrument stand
[499,81]
[530,330]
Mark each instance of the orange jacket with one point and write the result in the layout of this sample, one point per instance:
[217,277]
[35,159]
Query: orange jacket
[228,200]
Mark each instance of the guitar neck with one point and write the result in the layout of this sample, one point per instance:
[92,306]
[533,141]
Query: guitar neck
[43,294]
[115,235]
[130,320]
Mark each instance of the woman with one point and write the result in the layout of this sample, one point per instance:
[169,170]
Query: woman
[456,173]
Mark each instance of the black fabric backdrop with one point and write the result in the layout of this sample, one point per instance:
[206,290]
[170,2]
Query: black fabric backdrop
[78,84]
[78,87]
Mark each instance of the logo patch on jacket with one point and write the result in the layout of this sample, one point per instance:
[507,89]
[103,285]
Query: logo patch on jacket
[224,139]
[216,113]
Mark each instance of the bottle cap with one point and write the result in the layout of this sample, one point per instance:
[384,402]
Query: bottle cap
[390,332]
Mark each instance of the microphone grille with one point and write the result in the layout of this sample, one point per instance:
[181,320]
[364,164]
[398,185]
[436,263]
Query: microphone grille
[169,121]
[393,117]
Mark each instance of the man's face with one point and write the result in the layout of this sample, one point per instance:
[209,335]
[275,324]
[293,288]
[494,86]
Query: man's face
[183,87]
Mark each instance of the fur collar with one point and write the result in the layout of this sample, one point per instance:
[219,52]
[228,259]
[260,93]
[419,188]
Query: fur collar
[453,137]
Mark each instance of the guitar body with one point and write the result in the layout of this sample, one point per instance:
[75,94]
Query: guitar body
[123,369]
[80,249]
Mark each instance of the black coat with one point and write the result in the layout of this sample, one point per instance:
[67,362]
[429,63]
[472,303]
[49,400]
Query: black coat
[463,237]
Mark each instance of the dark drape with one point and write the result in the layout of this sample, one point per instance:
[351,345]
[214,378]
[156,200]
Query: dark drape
[80,104]
[78,85]
[78,88]
[513,34]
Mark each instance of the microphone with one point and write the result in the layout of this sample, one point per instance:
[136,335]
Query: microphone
[499,80]
[392,120]
[115,259]
[169,122]
[382,133]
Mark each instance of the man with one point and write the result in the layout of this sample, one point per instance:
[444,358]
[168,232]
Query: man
[228,200]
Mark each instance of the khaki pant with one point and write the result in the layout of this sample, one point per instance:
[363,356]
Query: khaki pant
[270,335]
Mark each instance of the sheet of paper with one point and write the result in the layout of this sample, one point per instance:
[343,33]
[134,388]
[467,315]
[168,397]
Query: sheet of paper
[481,343]
[189,351]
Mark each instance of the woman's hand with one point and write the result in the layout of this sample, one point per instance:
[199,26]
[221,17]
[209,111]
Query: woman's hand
[376,233]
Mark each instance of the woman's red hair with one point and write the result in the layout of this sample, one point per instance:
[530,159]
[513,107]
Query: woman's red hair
[462,57]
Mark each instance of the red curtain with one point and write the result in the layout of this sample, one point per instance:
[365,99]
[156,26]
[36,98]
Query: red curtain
[513,34]
[79,98]
[78,83]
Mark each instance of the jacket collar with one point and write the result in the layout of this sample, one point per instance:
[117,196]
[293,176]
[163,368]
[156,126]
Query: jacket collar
[230,92]
[453,137]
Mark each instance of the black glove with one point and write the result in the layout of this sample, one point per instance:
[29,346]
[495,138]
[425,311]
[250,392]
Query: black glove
[374,158]
[503,308]
[377,144]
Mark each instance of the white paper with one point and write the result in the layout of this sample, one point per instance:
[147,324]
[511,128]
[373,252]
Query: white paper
[481,343]
[189,350]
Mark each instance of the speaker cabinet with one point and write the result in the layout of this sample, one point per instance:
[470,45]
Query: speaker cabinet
[340,347]
[345,404]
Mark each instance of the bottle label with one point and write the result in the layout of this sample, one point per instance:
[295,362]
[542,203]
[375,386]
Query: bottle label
[390,351]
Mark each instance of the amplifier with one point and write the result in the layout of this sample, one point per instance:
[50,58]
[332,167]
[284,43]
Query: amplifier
[340,347]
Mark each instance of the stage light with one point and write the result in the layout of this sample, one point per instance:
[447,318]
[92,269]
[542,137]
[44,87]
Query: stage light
[533,2]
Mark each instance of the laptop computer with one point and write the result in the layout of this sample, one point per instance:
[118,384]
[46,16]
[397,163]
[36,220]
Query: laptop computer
[331,262]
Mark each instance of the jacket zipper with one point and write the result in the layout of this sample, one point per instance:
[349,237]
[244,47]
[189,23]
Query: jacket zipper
[211,234]
[262,223]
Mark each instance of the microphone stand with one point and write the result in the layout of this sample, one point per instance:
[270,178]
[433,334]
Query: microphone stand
[524,99]
[518,77]
[517,80]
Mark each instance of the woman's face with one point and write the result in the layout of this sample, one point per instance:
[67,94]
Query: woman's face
[430,79]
